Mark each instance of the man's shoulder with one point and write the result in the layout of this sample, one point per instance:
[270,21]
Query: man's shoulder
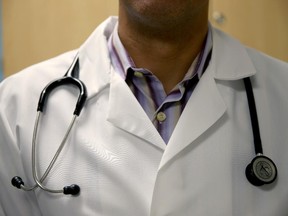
[262,62]
[49,67]
[45,70]
[34,78]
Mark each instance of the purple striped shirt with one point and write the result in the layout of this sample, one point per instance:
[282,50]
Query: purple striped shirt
[162,109]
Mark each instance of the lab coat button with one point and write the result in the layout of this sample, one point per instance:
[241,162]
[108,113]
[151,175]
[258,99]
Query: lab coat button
[161,116]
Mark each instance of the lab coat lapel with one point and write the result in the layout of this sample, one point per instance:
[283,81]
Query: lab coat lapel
[126,113]
[229,61]
[204,108]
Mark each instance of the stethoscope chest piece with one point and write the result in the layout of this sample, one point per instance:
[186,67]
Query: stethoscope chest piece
[261,170]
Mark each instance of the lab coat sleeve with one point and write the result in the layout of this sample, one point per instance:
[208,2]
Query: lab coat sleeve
[12,200]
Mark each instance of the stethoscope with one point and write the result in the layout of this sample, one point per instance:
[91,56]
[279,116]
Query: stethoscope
[262,170]
[70,78]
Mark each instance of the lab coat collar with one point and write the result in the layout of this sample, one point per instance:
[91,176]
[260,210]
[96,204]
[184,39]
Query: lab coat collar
[230,60]
[95,64]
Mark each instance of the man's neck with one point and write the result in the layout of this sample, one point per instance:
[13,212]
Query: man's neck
[168,54]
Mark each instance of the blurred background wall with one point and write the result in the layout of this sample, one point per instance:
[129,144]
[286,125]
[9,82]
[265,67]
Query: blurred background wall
[262,24]
[34,30]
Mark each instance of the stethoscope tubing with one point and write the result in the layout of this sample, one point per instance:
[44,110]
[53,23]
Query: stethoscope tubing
[253,116]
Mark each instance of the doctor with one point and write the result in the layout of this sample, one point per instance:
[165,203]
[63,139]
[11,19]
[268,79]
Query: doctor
[165,130]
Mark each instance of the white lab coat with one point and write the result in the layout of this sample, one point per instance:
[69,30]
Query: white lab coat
[117,156]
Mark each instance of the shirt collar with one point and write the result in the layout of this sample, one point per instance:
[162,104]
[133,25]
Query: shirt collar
[120,58]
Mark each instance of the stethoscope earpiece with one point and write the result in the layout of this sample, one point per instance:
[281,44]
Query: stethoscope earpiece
[73,189]
[17,181]
[261,170]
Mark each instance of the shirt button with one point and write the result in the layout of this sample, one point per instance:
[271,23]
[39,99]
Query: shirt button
[138,74]
[161,116]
